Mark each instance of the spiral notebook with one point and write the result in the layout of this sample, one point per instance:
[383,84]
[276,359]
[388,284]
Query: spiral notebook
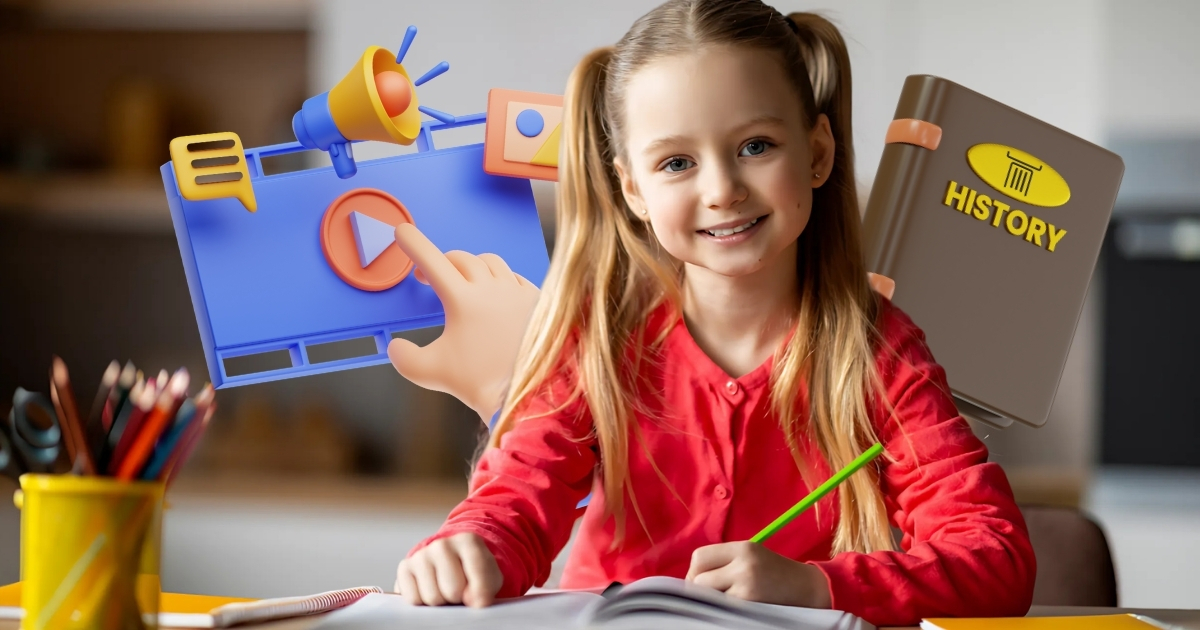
[650,602]
[178,610]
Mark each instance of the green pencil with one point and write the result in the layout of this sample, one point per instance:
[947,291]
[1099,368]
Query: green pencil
[816,495]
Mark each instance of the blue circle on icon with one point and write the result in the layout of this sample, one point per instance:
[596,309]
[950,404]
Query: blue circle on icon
[530,123]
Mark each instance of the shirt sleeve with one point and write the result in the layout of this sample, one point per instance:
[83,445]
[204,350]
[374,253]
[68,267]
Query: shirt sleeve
[523,494]
[966,550]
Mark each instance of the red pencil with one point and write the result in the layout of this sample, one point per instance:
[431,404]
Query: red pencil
[129,467]
[140,402]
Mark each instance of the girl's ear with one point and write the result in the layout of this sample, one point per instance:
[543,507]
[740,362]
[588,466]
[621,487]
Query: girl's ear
[629,191]
[821,147]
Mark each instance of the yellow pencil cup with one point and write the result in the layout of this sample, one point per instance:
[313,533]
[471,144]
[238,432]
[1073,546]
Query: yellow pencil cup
[89,552]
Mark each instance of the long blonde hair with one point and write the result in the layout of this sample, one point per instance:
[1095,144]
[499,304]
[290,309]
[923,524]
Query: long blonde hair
[608,272]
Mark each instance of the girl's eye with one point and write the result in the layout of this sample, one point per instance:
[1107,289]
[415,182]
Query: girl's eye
[676,165]
[756,147]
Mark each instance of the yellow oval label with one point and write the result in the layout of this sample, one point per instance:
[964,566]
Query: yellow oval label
[1018,175]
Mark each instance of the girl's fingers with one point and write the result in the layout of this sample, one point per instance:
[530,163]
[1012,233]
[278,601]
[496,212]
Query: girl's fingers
[406,584]
[427,585]
[721,578]
[450,579]
[482,572]
[708,558]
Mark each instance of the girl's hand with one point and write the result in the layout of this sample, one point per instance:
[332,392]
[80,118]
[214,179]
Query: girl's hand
[458,569]
[752,572]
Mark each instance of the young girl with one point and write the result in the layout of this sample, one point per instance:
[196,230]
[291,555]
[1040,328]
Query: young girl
[707,349]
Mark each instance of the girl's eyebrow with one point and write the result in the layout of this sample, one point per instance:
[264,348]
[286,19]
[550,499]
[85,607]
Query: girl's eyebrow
[757,120]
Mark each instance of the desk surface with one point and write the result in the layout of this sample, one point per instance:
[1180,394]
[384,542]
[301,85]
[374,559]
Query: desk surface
[1183,619]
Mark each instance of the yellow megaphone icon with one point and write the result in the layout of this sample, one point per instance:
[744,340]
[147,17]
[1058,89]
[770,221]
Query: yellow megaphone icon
[376,100]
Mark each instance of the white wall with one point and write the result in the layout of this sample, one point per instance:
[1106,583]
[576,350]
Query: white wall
[1152,62]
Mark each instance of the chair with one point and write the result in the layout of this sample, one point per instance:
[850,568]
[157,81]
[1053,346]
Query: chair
[1074,565]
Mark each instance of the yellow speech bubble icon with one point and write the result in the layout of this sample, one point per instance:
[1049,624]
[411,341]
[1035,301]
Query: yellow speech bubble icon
[212,166]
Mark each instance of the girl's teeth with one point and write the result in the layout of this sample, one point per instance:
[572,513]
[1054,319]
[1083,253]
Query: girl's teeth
[735,230]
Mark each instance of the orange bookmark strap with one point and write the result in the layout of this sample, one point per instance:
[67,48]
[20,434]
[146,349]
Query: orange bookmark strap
[913,131]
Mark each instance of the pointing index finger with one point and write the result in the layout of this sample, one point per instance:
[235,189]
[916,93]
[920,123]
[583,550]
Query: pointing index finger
[437,269]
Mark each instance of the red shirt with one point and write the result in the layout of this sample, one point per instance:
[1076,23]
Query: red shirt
[729,473]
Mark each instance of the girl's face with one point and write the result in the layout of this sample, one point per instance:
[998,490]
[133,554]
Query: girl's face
[718,159]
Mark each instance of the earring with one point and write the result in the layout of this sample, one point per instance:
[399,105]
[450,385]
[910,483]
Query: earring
[816,176]
[645,212]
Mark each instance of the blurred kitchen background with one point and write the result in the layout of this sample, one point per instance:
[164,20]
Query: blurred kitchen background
[326,481]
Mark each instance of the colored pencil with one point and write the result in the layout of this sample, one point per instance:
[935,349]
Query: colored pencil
[192,438]
[169,440]
[169,401]
[821,491]
[137,405]
[120,393]
[97,431]
[74,437]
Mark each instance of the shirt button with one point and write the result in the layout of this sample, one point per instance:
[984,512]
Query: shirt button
[721,492]
[731,387]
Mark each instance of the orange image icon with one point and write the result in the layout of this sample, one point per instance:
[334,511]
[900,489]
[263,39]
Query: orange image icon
[523,134]
[358,239]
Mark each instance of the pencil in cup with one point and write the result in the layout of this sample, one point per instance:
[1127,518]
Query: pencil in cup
[99,417]
[819,493]
[188,442]
[169,401]
[73,429]
[177,440]
[137,402]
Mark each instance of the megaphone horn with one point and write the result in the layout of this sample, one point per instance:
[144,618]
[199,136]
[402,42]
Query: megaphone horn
[376,100]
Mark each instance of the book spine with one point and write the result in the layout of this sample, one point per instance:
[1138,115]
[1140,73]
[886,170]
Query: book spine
[899,174]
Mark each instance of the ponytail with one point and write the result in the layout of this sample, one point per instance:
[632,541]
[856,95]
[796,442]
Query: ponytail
[828,64]
[605,278]
[838,308]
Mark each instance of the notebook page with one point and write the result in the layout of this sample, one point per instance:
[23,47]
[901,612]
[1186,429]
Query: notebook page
[533,612]
[666,594]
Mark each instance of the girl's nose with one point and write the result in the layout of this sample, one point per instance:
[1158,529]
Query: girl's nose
[721,187]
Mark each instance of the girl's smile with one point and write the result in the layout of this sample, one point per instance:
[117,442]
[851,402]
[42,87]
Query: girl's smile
[732,232]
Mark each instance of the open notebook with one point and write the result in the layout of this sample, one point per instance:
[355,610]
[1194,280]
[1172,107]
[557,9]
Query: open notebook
[650,602]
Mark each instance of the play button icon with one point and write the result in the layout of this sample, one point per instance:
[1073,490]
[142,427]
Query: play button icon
[372,236]
[358,237]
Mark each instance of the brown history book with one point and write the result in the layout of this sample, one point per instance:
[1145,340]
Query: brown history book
[990,222]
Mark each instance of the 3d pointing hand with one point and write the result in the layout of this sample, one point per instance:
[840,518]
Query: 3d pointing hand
[487,309]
